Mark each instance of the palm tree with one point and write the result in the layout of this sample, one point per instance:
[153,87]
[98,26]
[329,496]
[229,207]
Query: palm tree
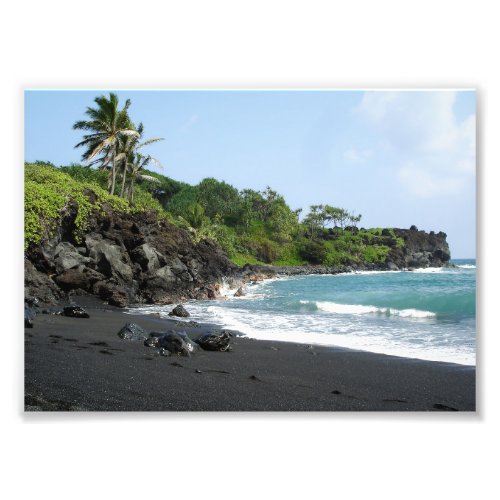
[107,125]
[132,161]
[139,162]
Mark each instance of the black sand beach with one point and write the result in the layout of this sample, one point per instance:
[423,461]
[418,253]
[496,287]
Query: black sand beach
[81,364]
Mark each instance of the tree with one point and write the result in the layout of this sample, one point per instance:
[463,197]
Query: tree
[138,163]
[106,124]
[314,220]
[132,161]
[354,220]
[343,216]
[195,215]
[219,198]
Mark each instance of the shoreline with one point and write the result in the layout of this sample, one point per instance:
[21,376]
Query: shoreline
[76,364]
[129,311]
[262,274]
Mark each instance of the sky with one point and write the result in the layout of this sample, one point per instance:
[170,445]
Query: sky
[399,158]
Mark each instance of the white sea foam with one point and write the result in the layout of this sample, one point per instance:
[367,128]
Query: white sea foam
[322,330]
[371,272]
[333,307]
[309,329]
[428,270]
[467,266]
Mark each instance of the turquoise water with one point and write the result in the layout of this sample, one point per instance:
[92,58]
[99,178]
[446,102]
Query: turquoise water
[427,314]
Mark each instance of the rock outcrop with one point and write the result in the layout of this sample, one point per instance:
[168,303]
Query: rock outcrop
[125,259]
[421,249]
[179,311]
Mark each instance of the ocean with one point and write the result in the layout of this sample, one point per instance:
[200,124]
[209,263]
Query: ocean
[426,314]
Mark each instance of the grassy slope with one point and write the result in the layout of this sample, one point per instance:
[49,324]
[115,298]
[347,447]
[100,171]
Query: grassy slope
[47,190]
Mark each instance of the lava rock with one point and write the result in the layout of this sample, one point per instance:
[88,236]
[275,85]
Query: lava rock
[179,311]
[152,342]
[215,341]
[32,301]
[29,315]
[80,277]
[147,257]
[66,257]
[177,343]
[75,312]
[131,331]
[113,294]
[110,259]
[240,292]
[53,311]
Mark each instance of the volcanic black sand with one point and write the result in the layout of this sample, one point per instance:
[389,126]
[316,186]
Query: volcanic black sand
[81,364]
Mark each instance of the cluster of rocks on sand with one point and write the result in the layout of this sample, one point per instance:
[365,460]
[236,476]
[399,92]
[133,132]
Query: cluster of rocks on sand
[166,343]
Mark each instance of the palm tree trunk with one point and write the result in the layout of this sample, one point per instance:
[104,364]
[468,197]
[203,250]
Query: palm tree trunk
[113,173]
[123,181]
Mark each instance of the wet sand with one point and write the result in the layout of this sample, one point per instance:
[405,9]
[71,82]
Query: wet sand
[82,365]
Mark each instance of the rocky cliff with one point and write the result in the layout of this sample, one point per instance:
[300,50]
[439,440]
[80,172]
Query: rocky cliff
[125,259]
[421,249]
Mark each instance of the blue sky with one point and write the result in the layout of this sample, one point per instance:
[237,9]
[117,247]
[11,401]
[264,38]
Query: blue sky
[397,157]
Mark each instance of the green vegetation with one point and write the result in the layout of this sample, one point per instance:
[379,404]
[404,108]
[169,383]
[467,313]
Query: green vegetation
[47,192]
[251,226]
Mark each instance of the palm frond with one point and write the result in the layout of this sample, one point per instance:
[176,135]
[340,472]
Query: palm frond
[149,178]
[129,133]
[120,156]
[150,141]
[155,162]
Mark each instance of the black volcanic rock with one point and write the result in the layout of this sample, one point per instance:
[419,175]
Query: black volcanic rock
[215,341]
[131,331]
[123,259]
[179,311]
[75,312]
[29,315]
[420,249]
[81,277]
[176,343]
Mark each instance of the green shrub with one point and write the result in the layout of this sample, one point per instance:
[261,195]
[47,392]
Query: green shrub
[224,236]
[240,259]
[263,248]
[375,253]
[87,174]
[144,201]
[289,255]
[313,252]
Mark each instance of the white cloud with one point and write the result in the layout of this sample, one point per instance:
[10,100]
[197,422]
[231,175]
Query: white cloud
[424,184]
[435,151]
[192,120]
[357,155]
[376,104]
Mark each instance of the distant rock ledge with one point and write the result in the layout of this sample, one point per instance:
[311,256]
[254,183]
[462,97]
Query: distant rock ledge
[421,250]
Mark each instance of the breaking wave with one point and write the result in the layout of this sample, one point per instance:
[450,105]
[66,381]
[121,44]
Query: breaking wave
[335,308]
